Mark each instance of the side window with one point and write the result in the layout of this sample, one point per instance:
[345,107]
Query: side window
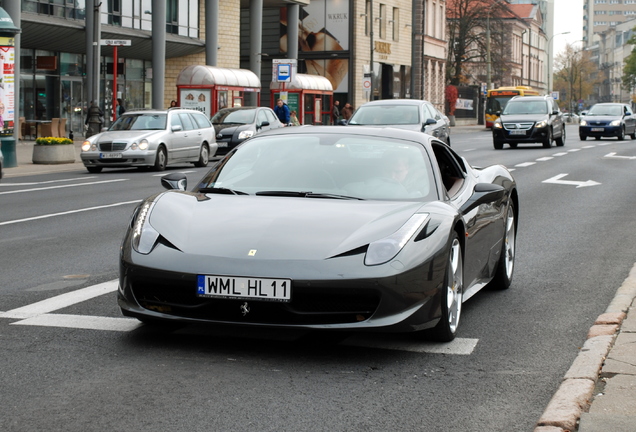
[451,168]
[262,117]
[175,121]
[428,113]
[186,121]
[271,117]
[201,120]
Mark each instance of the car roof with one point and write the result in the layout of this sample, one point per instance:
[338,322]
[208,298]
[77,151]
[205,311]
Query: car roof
[396,102]
[157,111]
[389,132]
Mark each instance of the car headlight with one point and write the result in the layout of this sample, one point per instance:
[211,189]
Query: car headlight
[497,125]
[134,146]
[245,134]
[86,146]
[144,236]
[382,251]
[143,144]
[583,123]
[615,123]
[541,124]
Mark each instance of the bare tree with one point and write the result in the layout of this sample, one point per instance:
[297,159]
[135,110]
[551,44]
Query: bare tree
[576,75]
[467,22]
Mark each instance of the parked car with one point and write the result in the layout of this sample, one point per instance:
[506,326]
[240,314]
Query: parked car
[608,120]
[529,119]
[324,227]
[409,114]
[570,118]
[235,125]
[151,138]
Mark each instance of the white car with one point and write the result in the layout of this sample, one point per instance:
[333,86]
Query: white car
[152,138]
[1,162]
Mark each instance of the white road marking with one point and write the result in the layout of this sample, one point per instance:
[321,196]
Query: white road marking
[61,301]
[182,172]
[543,159]
[46,182]
[459,346]
[525,164]
[574,150]
[613,155]
[588,146]
[82,322]
[68,212]
[62,186]
[579,184]
[560,154]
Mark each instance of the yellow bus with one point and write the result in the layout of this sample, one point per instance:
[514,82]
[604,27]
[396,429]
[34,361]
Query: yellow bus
[496,100]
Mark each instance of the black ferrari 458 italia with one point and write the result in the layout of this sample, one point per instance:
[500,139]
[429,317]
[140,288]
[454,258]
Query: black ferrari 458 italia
[327,228]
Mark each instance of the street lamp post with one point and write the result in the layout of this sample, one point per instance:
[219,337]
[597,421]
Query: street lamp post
[549,62]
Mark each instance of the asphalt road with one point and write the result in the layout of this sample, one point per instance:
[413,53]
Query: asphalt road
[73,363]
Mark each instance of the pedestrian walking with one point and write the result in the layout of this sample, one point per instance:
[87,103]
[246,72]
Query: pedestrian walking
[282,112]
[120,107]
[94,119]
[347,111]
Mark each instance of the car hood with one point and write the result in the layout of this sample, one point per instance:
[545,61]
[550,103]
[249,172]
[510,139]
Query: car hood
[412,127]
[129,136]
[277,228]
[600,118]
[513,118]
[230,129]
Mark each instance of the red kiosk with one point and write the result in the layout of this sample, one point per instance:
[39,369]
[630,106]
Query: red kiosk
[311,96]
[210,88]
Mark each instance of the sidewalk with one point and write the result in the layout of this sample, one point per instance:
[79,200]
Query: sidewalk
[597,394]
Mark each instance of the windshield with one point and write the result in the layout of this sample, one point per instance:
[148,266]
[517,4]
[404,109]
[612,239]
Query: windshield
[139,122]
[325,166]
[242,116]
[606,110]
[526,107]
[386,115]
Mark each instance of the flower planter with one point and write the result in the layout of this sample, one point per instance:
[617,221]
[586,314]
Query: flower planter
[53,154]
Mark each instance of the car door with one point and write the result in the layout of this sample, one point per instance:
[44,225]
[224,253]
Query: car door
[180,139]
[558,124]
[630,121]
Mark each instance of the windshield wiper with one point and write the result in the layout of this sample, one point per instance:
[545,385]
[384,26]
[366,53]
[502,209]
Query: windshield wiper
[221,190]
[305,195]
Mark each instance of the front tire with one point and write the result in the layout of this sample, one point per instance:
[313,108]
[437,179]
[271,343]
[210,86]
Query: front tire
[621,134]
[161,160]
[582,137]
[452,295]
[498,145]
[560,142]
[506,264]
[204,157]
[547,142]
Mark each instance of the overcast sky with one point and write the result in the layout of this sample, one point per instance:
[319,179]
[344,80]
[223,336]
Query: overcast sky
[568,17]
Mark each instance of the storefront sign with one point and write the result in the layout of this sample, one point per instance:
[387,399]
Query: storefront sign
[197,99]
[7,86]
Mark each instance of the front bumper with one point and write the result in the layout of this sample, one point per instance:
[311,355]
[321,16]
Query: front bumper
[128,158]
[600,131]
[532,135]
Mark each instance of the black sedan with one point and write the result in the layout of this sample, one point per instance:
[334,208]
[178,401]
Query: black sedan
[409,114]
[608,120]
[324,227]
[235,125]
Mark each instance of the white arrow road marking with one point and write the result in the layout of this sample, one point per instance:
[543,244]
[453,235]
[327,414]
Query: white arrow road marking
[613,155]
[578,184]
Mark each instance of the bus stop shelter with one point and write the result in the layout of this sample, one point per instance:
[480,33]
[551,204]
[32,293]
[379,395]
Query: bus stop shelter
[311,96]
[210,88]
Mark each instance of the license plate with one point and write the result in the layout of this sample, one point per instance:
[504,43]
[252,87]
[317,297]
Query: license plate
[278,290]
[598,129]
[221,144]
[517,132]
[110,155]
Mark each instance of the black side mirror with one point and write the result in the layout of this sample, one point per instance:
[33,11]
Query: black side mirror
[484,193]
[175,181]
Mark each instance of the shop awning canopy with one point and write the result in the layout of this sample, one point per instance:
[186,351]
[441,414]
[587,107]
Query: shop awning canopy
[305,82]
[203,75]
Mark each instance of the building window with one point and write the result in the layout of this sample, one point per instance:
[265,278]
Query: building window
[367,17]
[396,24]
[383,18]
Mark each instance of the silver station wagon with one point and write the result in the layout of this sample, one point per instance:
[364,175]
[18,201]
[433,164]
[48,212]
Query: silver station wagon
[152,138]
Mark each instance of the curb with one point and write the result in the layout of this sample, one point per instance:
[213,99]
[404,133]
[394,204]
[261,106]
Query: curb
[574,395]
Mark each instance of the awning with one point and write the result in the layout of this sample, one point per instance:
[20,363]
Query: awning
[203,75]
[305,82]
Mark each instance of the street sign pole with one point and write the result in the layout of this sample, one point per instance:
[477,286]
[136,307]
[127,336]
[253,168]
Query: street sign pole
[115,44]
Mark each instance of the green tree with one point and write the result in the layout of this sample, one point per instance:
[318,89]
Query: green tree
[575,77]
[629,69]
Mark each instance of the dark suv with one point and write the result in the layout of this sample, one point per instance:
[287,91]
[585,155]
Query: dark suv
[529,119]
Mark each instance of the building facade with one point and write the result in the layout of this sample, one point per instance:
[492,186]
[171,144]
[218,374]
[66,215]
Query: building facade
[600,15]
